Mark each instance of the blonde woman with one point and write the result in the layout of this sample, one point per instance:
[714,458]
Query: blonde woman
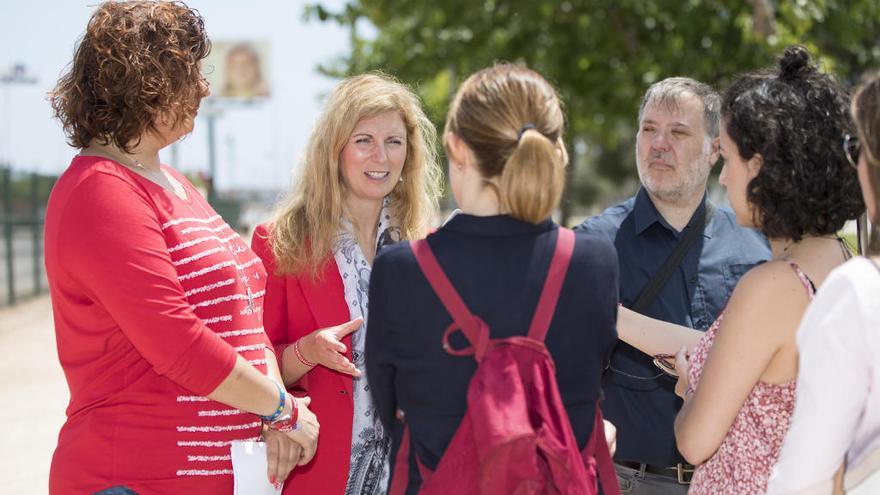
[370,178]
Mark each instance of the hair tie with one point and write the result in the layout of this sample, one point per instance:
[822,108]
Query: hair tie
[522,131]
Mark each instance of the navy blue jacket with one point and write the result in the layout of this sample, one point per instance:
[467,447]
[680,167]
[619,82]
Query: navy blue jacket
[498,265]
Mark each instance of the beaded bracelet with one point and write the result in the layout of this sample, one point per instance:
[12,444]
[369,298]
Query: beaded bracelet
[282,397]
[300,356]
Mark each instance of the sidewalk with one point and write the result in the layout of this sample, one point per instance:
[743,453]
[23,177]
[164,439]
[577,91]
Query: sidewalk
[33,394]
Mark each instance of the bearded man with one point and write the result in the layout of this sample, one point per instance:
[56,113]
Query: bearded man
[680,258]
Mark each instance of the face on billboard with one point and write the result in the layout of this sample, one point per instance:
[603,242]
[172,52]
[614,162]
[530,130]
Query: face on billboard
[239,70]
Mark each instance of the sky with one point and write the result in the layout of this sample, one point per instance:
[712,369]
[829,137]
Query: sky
[257,145]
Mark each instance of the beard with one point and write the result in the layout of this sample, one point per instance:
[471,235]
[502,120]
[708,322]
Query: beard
[678,185]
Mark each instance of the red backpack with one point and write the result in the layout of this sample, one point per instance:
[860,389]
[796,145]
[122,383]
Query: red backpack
[515,437]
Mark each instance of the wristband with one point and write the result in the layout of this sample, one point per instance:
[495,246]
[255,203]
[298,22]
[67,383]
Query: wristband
[294,410]
[300,356]
[287,422]
[282,397]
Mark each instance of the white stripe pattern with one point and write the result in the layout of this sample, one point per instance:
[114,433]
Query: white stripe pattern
[206,288]
[203,472]
[233,297]
[257,362]
[203,271]
[220,412]
[237,333]
[214,429]
[249,263]
[178,221]
[218,266]
[193,242]
[208,458]
[199,240]
[192,398]
[205,229]
[218,319]
[252,347]
[223,443]
[199,256]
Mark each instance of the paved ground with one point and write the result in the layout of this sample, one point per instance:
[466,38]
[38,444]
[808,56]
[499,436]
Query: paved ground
[33,396]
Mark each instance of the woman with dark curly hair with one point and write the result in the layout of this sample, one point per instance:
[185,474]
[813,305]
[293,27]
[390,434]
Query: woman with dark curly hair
[787,176]
[836,420]
[157,301]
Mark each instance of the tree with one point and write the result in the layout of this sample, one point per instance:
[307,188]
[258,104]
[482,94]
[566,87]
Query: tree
[601,54]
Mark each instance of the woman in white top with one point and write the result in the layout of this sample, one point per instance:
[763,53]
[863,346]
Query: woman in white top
[836,421]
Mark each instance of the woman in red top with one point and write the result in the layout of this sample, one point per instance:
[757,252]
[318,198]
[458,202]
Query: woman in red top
[369,178]
[157,302]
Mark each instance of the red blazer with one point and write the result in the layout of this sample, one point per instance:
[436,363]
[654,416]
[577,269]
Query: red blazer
[295,306]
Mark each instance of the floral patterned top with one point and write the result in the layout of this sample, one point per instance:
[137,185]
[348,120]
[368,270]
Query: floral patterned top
[743,462]
[369,471]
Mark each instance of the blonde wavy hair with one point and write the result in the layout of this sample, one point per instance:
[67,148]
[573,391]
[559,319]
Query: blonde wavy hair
[307,221]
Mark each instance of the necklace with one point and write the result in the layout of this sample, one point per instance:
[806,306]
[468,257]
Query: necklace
[251,308]
[786,251]
[155,176]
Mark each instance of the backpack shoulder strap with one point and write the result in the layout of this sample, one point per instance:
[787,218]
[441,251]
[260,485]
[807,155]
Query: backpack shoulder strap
[400,476]
[597,447]
[445,291]
[552,284]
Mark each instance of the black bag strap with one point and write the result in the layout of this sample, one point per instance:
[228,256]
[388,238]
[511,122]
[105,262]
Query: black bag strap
[658,281]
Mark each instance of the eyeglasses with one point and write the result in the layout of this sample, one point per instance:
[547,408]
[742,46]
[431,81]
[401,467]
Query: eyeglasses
[852,149]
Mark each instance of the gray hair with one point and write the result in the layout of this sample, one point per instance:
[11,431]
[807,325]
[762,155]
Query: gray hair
[669,90]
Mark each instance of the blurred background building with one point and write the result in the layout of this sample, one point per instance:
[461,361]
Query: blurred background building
[266,92]
[273,60]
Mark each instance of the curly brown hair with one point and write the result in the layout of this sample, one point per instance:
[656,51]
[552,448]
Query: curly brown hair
[137,64]
[795,117]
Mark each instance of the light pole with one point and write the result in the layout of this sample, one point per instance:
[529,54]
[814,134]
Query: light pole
[17,74]
[211,112]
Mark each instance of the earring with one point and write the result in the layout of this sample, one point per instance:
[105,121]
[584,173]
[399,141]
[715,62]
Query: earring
[400,179]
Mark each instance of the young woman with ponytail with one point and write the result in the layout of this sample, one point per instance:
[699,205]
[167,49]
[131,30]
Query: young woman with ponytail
[503,139]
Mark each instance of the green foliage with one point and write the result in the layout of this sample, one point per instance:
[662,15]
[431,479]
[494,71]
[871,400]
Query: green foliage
[601,54]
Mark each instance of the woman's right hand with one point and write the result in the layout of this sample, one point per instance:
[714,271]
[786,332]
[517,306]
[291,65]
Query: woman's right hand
[282,455]
[682,386]
[324,347]
[306,432]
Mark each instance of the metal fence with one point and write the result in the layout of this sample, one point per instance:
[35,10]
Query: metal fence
[22,211]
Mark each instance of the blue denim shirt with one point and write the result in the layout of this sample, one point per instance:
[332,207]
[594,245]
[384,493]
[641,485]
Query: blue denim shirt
[639,399]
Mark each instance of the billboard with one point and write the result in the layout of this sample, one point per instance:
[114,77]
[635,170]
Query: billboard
[239,70]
